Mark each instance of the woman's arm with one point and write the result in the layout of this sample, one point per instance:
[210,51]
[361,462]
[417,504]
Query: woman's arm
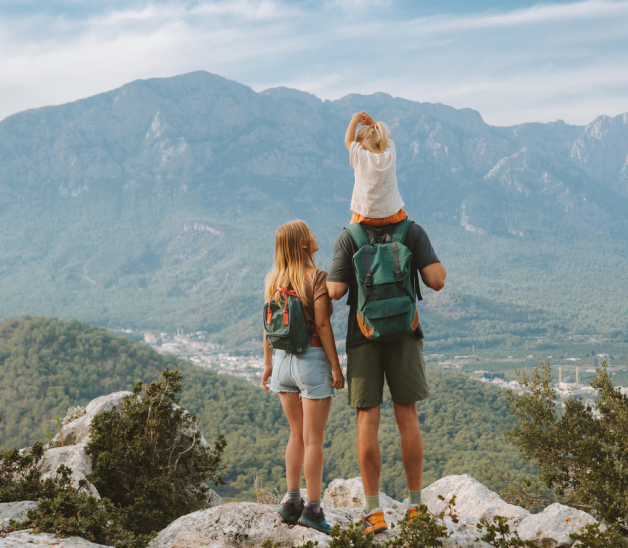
[326,334]
[268,363]
[353,124]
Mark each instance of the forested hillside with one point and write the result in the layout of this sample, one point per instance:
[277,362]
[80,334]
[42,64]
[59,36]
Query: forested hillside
[154,206]
[48,365]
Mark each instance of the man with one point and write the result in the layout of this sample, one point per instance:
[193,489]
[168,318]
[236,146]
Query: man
[400,361]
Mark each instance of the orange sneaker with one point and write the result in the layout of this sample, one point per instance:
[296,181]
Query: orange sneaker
[374,522]
[412,513]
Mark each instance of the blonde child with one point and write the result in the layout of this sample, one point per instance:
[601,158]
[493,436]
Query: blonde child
[376,200]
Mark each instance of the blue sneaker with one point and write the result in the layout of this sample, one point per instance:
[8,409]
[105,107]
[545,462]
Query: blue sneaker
[290,512]
[309,518]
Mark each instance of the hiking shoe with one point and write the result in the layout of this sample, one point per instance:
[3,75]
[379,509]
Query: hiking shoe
[374,522]
[290,512]
[309,518]
[412,513]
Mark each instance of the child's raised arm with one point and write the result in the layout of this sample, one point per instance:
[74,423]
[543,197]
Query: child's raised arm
[353,124]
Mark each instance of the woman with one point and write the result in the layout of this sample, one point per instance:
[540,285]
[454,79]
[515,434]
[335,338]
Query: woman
[304,381]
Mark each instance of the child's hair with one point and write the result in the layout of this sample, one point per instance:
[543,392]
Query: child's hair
[374,139]
[291,260]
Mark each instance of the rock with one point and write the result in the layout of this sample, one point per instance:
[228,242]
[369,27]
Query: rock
[19,539]
[78,430]
[350,494]
[473,500]
[250,524]
[552,527]
[75,458]
[15,511]
[234,524]
[213,498]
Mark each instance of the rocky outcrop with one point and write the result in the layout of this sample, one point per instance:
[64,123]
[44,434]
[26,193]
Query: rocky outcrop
[72,456]
[350,494]
[20,539]
[15,511]
[473,500]
[552,527]
[77,431]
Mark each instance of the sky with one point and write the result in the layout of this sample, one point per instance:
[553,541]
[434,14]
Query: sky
[514,61]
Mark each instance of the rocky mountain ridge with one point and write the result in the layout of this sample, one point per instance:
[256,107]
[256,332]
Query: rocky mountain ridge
[154,205]
[198,131]
[250,524]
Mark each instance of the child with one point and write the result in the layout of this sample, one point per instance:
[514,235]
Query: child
[376,200]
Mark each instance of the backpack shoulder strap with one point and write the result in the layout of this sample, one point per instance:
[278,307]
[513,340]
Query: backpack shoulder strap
[401,230]
[357,233]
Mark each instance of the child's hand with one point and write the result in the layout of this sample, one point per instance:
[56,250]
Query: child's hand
[367,120]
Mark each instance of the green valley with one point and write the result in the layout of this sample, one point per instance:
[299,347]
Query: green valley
[51,364]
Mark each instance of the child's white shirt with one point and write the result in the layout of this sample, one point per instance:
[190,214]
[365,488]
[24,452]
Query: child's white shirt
[375,193]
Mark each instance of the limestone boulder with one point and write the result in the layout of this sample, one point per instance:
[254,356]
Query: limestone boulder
[234,524]
[213,498]
[350,494]
[77,431]
[552,527]
[473,500]
[15,511]
[72,456]
[20,539]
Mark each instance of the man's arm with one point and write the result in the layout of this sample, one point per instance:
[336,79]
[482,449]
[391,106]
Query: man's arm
[433,276]
[337,290]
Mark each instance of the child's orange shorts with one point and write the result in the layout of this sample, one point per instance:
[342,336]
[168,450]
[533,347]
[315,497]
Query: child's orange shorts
[401,215]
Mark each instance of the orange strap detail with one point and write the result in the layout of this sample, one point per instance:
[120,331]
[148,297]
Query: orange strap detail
[286,292]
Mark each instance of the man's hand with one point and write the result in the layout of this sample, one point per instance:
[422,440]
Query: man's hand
[339,380]
[268,371]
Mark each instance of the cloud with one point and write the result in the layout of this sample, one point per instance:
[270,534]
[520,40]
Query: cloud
[538,63]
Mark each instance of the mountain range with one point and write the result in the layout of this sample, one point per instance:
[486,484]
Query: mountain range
[154,206]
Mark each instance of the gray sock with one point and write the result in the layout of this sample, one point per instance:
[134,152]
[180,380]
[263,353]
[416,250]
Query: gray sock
[371,503]
[314,505]
[295,495]
[415,497]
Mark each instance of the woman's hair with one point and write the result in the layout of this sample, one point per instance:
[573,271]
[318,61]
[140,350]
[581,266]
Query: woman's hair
[374,139]
[291,261]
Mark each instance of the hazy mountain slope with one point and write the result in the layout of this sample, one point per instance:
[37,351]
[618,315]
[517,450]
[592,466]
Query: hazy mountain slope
[154,205]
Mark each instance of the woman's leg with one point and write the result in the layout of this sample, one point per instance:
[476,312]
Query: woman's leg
[290,401]
[315,413]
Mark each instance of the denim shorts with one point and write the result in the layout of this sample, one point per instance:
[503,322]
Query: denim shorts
[308,372]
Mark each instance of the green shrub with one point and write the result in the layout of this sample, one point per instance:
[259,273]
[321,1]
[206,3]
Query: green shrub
[148,458]
[581,458]
[497,533]
[67,511]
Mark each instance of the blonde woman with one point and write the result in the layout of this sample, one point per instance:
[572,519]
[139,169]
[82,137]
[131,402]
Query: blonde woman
[305,381]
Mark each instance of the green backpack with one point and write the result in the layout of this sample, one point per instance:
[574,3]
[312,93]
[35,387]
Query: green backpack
[386,298]
[285,325]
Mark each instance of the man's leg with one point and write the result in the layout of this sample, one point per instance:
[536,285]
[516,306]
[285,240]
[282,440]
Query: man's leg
[368,449]
[411,443]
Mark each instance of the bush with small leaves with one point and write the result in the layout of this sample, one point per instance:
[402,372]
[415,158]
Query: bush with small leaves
[352,538]
[498,534]
[148,458]
[592,536]
[19,477]
[72,512]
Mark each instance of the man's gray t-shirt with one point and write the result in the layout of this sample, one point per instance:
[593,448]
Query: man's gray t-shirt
[417,241]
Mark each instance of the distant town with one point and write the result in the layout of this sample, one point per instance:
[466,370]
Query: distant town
[247,362]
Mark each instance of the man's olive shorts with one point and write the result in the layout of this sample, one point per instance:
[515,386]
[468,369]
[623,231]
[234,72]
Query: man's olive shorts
[400,361]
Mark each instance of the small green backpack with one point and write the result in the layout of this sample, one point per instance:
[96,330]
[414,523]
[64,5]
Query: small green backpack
[386,298]
[285,325]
